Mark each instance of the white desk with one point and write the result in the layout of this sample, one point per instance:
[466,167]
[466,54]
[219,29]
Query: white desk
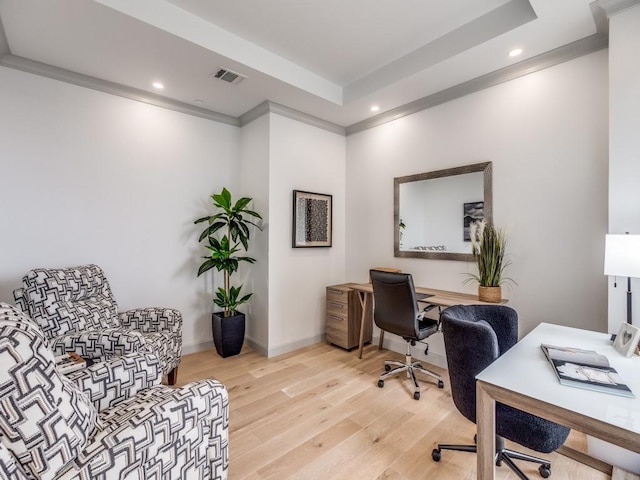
[523,378]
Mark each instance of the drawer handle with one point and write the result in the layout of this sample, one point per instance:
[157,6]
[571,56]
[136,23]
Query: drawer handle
[336,305]
[332,317]
[338,292]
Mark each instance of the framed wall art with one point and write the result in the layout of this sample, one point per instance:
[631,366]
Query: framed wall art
[311,219]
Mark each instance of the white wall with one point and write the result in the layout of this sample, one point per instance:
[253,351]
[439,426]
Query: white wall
[546,134]
[254,154]
[302,157]
[94,178]
[624,148]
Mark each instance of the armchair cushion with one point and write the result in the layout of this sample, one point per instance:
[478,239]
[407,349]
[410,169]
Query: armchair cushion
[161,433]
[110,382]
[69,299]
[45,420]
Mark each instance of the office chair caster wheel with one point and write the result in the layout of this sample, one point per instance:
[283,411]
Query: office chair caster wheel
[440,384]
[416,395]
[381,383]
[387,368]
[435,454]
[545,471]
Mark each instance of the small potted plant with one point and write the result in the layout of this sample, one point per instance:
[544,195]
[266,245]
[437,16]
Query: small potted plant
[488,246]
[227,235]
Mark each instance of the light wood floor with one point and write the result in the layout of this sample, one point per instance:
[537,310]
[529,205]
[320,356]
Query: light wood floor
[317,413]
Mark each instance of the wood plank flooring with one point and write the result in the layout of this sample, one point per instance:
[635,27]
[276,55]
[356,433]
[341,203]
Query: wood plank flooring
[317,414]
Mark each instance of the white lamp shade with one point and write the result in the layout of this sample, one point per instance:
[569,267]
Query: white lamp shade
[622,255]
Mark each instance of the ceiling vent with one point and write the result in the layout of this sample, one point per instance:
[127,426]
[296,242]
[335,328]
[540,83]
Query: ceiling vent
[229,76]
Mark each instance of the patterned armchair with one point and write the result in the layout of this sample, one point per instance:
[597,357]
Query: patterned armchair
[77,312]
[51,429]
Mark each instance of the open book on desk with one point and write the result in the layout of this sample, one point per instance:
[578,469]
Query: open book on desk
[585,369]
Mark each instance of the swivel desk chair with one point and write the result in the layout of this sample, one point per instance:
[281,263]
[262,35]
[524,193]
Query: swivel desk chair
[475,336]
[396,311]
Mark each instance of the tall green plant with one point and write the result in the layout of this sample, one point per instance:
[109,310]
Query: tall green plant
[489,245]
[233,222]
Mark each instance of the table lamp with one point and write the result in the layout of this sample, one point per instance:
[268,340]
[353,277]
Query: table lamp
[622,259]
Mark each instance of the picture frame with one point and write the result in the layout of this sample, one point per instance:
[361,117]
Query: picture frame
[312,219]
[627,339]
[471,212]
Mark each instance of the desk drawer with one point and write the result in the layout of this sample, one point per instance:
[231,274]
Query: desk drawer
[336,331]
[343,317]
[337,295]
[337,309]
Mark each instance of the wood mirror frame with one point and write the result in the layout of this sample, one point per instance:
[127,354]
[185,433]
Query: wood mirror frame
[484,167]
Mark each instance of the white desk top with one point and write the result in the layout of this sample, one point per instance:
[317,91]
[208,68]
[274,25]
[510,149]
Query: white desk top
[524,369]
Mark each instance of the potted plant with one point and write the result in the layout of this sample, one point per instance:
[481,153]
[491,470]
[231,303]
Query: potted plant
[488,246]
[227,236]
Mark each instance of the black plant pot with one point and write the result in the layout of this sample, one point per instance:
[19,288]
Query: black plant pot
[228,333]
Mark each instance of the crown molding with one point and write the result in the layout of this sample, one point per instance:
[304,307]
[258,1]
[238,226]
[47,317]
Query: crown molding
[272,107]
[255,113]
[611,7]
[603,9]
[45,70]
[559,55]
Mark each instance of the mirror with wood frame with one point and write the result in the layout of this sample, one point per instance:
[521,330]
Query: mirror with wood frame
[434,210]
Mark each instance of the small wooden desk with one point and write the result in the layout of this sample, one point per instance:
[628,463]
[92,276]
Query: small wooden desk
[441,298]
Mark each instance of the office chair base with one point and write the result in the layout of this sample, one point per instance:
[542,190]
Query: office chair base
[502,455]
[411,368]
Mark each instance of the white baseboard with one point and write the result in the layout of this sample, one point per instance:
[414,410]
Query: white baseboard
[197,347]
[258,347]
[292,346]
[393,343]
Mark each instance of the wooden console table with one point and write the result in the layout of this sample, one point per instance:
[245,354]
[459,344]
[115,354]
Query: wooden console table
[440,298]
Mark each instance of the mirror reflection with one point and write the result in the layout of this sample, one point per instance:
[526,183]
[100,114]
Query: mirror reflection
[433,211]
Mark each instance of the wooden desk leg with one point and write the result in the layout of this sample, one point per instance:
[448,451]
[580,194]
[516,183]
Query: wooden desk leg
[485,421]
[364,302]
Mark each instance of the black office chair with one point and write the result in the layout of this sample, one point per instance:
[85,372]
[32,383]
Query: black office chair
[395,310]
[475,336]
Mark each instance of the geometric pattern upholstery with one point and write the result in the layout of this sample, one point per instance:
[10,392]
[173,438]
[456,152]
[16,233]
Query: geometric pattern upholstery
[69,300]
[45,420]
[161,433]
[77,312]
[50,427]
[9,469]
[108,383]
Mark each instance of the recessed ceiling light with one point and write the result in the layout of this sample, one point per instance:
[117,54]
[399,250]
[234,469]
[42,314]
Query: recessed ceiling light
[158,85]
[375,108]
[515,52]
